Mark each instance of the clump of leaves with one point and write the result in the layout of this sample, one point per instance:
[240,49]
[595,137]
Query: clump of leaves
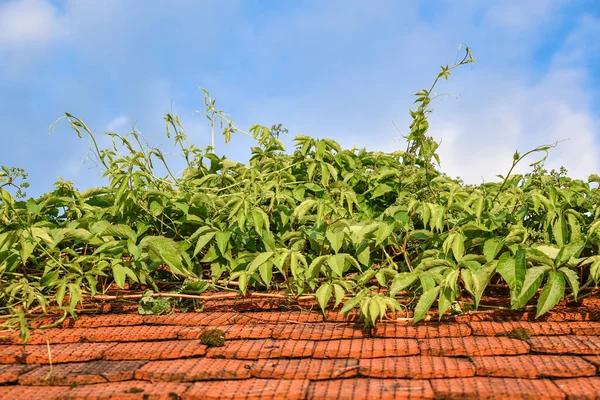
[517,333]
[213,338]
[149,305]
[356,229]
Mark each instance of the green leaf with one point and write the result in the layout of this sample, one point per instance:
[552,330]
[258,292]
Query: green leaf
[533,280]
[203,241]
[266,272]
[401,282]
[513,270]
[339,294]
[258,261]
[383,232]
[380,190]
[446,299]
[222,241]
[119,275]
[168,251]
[323,294]
[573,279]
[121,231]
[335,239]
[559,230]
[336,263]
[491,248]
[553,291]
[481,278]
[425,303]
[571,250]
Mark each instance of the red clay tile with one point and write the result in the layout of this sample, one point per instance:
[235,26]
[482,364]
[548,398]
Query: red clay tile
[536,328]
[472,346]
[191,319]
[34,392]
[495,388]
[594,360]
[61,353]
[103,334]
[95,321]
[321,331]
[232,332]
[533,366]
[255,349]
[10,373]
[381,389]
[366,348]
[580,388]
[250,389]
[401,330]
[198,369]
[566,344]
[585,328]
[128,390]
[416,367]
[164,350]
[312,369]
[81,373]
[283,316]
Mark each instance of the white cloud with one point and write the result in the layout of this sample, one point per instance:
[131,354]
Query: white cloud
[522,16]
[29,23]
[118,123]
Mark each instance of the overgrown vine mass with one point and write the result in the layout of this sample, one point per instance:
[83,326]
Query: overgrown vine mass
[355,228]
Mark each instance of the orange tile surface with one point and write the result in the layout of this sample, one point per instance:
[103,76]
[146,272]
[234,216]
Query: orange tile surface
[275,354]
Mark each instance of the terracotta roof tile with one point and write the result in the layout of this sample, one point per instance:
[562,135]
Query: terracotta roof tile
[312,369]
[533,366]
[383,389]
[416,367]
[495,388]
[255,349]
[198,369]
[287,354]
[366,348]
[473,346]
[566,344]
[250,389]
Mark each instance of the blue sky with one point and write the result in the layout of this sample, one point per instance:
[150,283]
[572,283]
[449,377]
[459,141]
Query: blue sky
[341,69]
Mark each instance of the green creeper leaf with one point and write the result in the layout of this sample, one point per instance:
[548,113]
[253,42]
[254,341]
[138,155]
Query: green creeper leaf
[339,294]
[491,248]
[364,257]
[571,250]
[553,291]
[335,239]
[380,190]
[374,310]
[446,299]
[203,241]
[425,303]
[513,270]
[119,275]
[323,294]
[168,251]
[383,232]
[120,231]
[481,278]
[222,241]
[266,272]
[350,305]
[573,279]
[533,280]
[336,263]
[258,261]
[559,230]
[458,247]
[537,257]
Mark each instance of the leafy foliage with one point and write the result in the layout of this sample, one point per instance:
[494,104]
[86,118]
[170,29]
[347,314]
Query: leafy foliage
[358,229]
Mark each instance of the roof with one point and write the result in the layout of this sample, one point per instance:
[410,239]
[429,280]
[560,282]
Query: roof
[290,354]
